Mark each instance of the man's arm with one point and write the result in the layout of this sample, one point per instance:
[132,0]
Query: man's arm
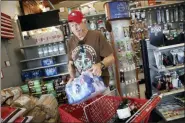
[71,70]
[109,60]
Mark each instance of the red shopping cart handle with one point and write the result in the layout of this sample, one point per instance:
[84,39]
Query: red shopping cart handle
[151,104]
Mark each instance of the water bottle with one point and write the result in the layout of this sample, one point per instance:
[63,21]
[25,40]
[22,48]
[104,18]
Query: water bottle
[55,48]
[61,48]
[50,49]
[40,51]
[45,49]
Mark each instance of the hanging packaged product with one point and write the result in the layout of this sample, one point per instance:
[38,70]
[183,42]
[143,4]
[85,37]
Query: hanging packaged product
[93,25]
[167,15]
[181,13]
[163,16]
[158,16]
[176,14]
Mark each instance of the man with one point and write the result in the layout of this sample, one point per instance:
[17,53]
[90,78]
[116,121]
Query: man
[87,49]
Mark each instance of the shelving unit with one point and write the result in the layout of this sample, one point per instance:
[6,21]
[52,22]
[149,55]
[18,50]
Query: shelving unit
[167,68]
[36,45]
[28,60]
[175,91]
[55,65]
[61,74]
[151,71]
[157,6]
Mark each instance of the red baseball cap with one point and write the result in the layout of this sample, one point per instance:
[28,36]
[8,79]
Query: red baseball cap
[75,16]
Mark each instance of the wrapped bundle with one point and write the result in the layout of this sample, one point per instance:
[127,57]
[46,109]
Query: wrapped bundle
[84,87]
[38,115]
[11,94]
[48,104]
[26,102]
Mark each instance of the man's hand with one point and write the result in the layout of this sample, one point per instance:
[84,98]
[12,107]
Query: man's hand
[71,79]
[96,69]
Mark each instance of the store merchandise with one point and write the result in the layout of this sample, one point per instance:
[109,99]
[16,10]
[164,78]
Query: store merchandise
[47,62]
[15,93]
[37,114]
[36,74]
[45,35]
[167,82]
[23,119]
[25,101]
[59,85]
[48,104]
[171,109]
[10,114]
[171,58]
[51,71]
[26,75]
[84,87]
[61,48]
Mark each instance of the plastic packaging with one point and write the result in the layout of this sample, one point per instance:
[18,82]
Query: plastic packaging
[47,62]
[84,87]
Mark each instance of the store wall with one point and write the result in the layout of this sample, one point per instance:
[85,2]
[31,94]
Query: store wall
[10,49]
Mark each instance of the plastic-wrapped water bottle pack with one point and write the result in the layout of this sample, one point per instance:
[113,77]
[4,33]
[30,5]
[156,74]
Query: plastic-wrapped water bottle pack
[84,87]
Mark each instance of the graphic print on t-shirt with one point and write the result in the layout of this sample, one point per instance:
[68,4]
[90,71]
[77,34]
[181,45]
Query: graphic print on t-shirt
[84,57]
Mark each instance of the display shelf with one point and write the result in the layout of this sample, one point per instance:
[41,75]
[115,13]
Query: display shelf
[46,77]
[165,47]
[95,15]
[35,45]
[175,118]
[61,74]
[167,68]
[156,6]
[55,65]
[27,60]
[171,118]
[175,91]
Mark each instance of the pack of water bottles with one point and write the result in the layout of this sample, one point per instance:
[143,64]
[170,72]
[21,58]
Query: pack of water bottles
[84,87]
[51,49]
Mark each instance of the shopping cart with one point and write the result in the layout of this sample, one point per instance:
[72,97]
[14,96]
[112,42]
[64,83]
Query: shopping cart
[103,108]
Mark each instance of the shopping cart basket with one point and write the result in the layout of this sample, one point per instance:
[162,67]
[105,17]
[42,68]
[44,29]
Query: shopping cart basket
[101,109]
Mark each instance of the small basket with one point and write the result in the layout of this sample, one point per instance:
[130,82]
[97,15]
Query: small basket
[100,109]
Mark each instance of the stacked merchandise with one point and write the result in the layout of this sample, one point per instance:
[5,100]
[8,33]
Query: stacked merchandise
[59,85]
[37,88]
[18,107]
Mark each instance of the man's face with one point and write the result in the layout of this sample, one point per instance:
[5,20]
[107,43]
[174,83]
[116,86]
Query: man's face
[77,29]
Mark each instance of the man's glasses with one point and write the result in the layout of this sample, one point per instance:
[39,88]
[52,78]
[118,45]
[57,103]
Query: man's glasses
[81,43]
